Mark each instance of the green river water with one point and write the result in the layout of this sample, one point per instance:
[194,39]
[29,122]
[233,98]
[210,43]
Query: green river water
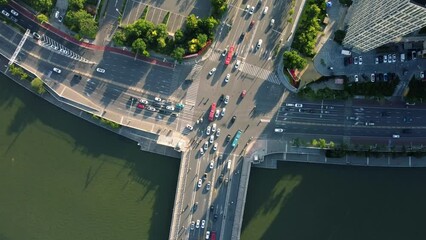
[64,178]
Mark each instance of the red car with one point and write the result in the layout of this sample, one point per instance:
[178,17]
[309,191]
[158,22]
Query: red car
[243,94]
[140,106]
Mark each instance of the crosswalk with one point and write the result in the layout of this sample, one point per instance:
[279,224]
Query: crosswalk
[191,97]
[47,42]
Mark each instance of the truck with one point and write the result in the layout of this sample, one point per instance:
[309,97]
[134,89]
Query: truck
[346,52]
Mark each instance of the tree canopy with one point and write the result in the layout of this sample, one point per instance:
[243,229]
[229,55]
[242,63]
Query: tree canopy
[82,22]
[293,60]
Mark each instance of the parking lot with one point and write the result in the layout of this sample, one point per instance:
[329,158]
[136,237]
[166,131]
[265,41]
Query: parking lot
[157,11]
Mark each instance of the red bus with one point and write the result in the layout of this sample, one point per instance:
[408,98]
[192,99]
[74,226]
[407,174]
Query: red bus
[213,236]
[212,111]
[229,56]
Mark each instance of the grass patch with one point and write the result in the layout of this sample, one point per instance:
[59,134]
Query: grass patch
[166,18]
[144,13]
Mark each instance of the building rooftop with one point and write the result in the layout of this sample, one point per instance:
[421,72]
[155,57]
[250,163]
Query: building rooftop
[419,2]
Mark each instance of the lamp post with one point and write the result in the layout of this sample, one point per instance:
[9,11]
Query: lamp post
[121,15]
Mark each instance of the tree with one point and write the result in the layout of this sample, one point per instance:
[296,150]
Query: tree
[314,142]
[202,40]
[178,53]
[81,22]
[161,43]
[77,4]
[37,85]
[208,25]
[88,27]
[179,37]
[293,60]
[331,144]
[42,5]
[322,143]
[192,23]
[139,46]
[3,2]
[42,18]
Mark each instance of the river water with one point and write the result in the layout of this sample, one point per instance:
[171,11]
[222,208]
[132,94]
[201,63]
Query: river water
[64,178]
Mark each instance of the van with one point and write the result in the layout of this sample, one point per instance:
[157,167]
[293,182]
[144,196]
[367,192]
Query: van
[402,57]
[346,52]
[229,164]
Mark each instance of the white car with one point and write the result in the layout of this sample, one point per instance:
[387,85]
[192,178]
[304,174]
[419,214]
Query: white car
[360,60]
[218,132]
[152,109]
[208,235]
[208,130]
[215,146]
[247,8]
[189,127]
[143,101]
[5,13]
[14,12]
[259,44]
[422,75]
[389,58]
[298,105]
[214,127]
[192,225]
[226,101]
[385,58]
[211,165]
[100,70]
[251,11]
[216,115]
[223,112]
[203,223]
[265,10]
[199,182]
[356,78]
[211,139]
[171,108]
[237,64]
[201,151]
[279,130]
[57,70]
[272,22]
[197,225]
[395,136]
[157,99]
[206,145]
[36,35]
[208,186]
[227,77]
[225,51]
[212,71]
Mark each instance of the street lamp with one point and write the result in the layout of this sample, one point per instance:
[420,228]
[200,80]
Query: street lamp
[121,15]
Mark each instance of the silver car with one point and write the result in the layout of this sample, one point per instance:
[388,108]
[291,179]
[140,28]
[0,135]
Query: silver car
[208,130]
[214,127]
[199,184]
[206,145]
[211,138]
[226,99]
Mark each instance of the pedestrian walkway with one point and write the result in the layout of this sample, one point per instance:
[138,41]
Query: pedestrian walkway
[260,73]
[49,43]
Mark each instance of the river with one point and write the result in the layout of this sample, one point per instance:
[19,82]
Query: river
[64,178]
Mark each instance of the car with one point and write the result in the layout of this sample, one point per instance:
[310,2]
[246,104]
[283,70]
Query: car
[189,127]
[157,99]
[14,12]
[36,35]
[376,61]
[211,139]
[225,51]
[251,11]
[220,179]
[140,106]
[203,223]
[265,10]
[369,123]
[247,8]
[237,64]
[152,109]
[298,105]
[422,75]
[56,14]
[100,70]
[212,71]
[214,128]
[389,58]
[242,36]
[60,19]
[208,235]
[217,113]
[356,78]
[211,165]
[197,225]
[171,108]
[414,55]
[259,44]
[13,19]
[204,176]
[215,216]
[394,57]
[227,77]
[208,186]
[226,100]
[206,145]
[228,137]
[385,77]
[223,112]
[200,182]
[356,60]
[218,132]
[272,22]
[5,13]
[372,78]
[143,101]
[395,136]
[175,115]
[360,60]
[57,70]
[380,59]
[192,225]
[208,130]
[385,58]
[279,130]
[243,93]
[233,119]
[215,146]
[252,24]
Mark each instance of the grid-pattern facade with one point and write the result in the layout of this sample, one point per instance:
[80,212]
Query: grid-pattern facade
[377,22]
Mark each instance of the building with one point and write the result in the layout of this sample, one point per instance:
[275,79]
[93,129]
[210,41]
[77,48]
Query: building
[378,22]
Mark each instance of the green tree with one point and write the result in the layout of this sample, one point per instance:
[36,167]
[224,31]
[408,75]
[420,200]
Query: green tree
[178,53]
[192,23]
[37,85]
[208,25]
[14,70]
[139,46]
[120,38]
[4,2]
[202,40]
[331,144]
[315,142]
[42,5]
[88,27]
[81,22]
[161,43]
[77,4]
[179,37]
[322,143]
[42,18]
[293,60]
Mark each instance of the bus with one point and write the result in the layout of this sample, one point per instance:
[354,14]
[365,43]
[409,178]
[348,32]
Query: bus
[236,138]
[212,111]
[229,56]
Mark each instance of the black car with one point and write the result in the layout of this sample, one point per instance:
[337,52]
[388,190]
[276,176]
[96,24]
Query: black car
[215,217]
[233,119]
[228,137]
[212,208]
[242,36]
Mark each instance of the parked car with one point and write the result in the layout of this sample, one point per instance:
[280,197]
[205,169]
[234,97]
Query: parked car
[233,119]
[259,44]
[279,130]
[251,11]
[211,165]
[100,70]
[389,58]
[197,225]
[206,145]
[243,93]
[265,10]
[57,70]
[212,71]
[356,60]
[237,64]
[226,101]
[214,127]
[218,132]
[360,60]
[208,130]
[200,182]
[272,22]
[189,127]
[247,8]
[227,77]
[140,106]
[394,57]
[171,108]
[215,146]
[376,60]
[373,79]
[14,12]
[385,58]
[225,51]
[5,13]
[223,112]
[211,140]
[36,35]
[422,75]
[203,223]
[356,78]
